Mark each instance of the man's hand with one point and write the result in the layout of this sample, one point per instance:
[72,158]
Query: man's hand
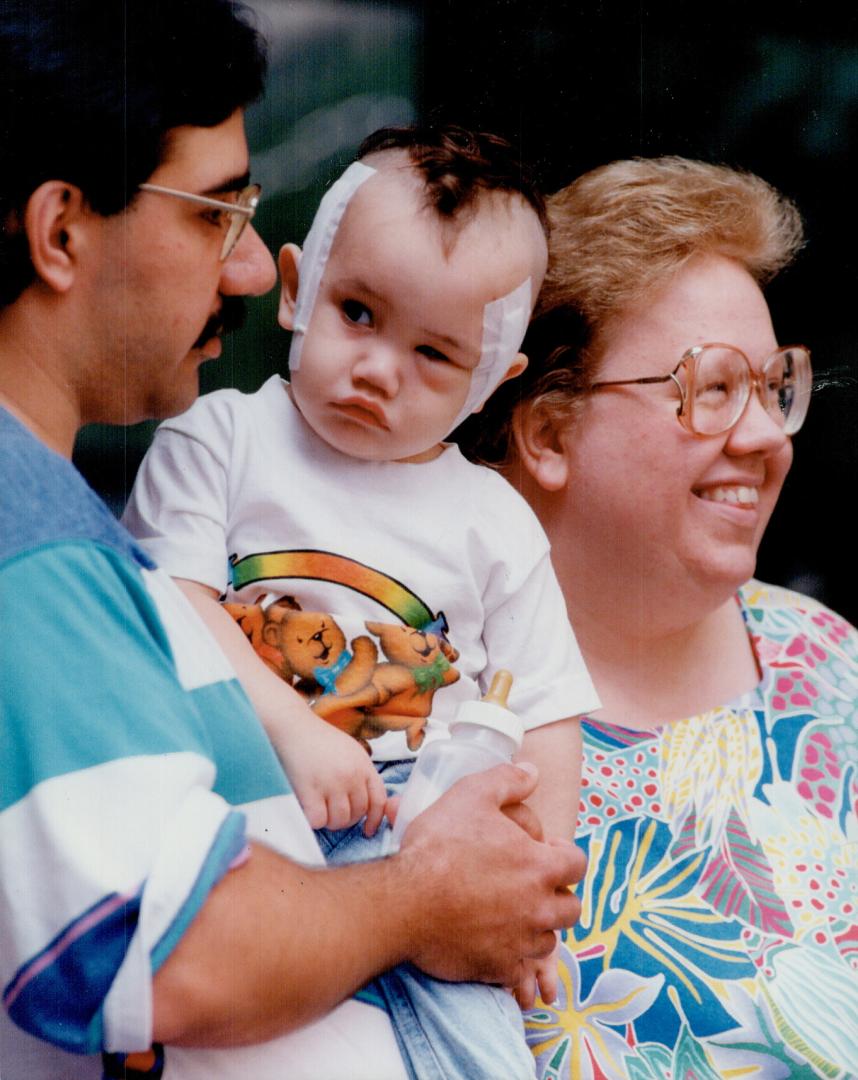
[486,892]
[539,978]
[472,893]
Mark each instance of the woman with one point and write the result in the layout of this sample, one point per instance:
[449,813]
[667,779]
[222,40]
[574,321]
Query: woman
[719,934]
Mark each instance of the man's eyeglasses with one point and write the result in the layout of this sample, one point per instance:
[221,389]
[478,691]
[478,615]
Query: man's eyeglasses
[715,382]
[239,212]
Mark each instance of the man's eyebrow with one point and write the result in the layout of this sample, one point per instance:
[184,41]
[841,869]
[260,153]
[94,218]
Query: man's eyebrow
[234,183]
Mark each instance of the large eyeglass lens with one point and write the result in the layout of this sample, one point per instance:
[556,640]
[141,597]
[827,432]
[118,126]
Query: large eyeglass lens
[786,387]
[720,389]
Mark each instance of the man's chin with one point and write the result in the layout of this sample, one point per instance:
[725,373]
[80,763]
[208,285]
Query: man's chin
[210,350]
[179,397]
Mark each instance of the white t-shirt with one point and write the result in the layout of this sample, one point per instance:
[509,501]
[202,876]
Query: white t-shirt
[243,480]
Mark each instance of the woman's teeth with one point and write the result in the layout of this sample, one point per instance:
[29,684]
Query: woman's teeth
[736,496]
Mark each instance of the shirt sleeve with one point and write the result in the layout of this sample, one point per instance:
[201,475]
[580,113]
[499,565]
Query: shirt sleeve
[526,627]
[529,634]
[179,507]
[111,835]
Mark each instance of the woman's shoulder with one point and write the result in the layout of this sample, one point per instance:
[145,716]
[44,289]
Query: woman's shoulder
[761,597]
[778,613]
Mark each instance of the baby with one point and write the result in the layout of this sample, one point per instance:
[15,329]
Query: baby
[372,568]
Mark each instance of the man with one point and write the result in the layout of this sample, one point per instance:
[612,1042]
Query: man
[158,884]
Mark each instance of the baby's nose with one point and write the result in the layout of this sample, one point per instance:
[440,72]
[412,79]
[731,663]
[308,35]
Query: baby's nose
[379,367]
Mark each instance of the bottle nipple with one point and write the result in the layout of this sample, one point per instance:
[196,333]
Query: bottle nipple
[499,689]
[492,710]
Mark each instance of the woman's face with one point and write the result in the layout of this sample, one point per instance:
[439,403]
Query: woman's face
[645,499]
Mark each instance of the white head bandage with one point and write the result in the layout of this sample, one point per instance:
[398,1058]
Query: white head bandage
[504,320]
[504,323]
[317,248]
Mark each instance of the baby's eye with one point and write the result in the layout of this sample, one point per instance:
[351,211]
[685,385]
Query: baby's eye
[357,313]
[432,354]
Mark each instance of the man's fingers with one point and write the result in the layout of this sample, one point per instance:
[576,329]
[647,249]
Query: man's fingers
[525,818]
[567,910]
[506,784]
[579,859]
[525,992]
[546,975]
[548,984]
[544,945]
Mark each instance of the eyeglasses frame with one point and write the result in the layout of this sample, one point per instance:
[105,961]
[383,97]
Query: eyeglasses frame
[682,413]
[239,215]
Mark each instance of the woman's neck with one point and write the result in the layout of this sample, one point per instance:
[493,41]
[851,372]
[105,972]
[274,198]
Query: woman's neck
[648,673]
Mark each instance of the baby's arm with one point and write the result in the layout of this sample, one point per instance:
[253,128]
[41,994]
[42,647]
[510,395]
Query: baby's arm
[330,771]
[556,750]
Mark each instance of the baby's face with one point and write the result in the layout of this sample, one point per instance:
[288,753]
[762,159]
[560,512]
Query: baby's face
[396,330]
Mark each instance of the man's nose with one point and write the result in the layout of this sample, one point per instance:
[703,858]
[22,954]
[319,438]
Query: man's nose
[249,270]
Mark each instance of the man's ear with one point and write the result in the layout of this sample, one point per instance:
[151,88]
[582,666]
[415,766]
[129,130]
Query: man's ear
[287,262]
[541,445]
[52,219]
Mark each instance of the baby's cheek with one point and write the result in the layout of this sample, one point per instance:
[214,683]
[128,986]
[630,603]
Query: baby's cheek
[448,381]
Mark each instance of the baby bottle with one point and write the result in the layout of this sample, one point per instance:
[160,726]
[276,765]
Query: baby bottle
[483,734]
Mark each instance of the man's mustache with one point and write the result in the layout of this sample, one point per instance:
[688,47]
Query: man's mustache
[232,314]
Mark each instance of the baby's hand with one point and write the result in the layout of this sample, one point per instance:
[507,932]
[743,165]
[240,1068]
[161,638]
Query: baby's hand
[332,774]
[538,977]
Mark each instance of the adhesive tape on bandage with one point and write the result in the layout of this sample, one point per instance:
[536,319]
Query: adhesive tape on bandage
[504,324]
[317,249]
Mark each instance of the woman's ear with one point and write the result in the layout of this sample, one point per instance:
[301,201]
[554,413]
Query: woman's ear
[53,218]
[540,445]
[287,263]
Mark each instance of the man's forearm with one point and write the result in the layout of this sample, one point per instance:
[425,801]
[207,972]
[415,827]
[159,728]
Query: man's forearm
[471,893]
[275,946]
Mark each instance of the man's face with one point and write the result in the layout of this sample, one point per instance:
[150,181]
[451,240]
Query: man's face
[155,288]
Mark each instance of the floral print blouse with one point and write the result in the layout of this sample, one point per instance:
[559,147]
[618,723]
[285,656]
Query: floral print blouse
[719,931]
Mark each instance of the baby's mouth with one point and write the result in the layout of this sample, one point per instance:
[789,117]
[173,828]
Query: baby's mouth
[368,412]
[740,495]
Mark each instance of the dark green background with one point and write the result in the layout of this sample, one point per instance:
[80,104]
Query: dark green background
[770,88]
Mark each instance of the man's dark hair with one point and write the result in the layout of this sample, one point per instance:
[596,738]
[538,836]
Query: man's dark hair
[458,164]
[90,88]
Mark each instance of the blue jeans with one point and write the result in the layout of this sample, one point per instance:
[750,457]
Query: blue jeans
[445,1031]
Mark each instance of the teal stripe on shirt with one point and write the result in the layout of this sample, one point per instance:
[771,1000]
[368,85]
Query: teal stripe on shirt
[59,650]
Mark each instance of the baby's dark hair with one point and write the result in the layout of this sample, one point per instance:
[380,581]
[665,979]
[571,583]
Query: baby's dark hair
[458,164]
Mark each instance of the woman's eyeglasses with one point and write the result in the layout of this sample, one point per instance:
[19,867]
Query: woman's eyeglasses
[239,212]
[715,382]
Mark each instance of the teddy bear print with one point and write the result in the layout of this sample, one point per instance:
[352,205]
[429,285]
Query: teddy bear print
[349,688]
[399,693]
